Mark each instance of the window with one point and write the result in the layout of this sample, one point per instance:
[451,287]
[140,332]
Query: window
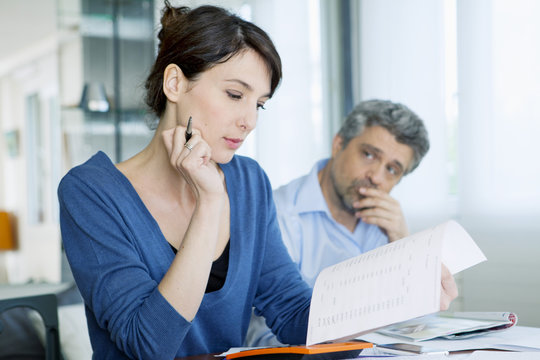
[499,88]
[36,161]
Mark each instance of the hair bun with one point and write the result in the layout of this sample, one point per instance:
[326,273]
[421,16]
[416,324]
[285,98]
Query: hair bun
[171,17]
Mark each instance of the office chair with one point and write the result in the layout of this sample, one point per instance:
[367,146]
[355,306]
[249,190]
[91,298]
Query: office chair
[47,307]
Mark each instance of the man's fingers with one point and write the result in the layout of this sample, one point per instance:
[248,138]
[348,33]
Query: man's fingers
[449,290]
[372,192]
[375,211]
[379,199]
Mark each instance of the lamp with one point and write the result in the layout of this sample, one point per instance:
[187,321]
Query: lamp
[94,98]
[7,240]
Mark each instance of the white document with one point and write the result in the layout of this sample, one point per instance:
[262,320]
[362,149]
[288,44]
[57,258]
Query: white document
[393,283]
[517,338]
[459,251]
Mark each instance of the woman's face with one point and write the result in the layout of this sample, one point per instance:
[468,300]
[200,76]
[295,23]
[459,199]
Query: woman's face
[224,102]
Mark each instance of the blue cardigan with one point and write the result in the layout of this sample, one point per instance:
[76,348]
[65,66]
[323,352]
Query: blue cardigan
[118,255]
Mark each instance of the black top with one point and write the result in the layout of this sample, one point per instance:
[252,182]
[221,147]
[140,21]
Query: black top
[218,273]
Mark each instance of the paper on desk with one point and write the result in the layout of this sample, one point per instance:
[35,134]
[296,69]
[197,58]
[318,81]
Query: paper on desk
[393,283]
[375,353]
[451,325]
[520,338]
[504,355]
[234,350]
[369,353]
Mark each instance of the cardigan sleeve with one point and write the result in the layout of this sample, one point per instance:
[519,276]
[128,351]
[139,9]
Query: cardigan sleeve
[111,275]
[283,298]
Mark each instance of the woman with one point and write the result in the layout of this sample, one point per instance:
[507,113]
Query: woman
[172,248]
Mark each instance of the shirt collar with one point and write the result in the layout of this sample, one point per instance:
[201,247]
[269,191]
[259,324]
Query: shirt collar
[310,197]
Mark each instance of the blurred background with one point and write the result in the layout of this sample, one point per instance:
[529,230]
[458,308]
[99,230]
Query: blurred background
[71,83]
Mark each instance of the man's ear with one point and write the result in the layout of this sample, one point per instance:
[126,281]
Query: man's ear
[337,145]
[173,81]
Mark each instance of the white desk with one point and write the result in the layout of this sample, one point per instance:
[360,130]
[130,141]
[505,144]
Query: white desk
[21,290]
[476,355]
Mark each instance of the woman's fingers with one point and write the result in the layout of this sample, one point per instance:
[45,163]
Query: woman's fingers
[192,160]
[176,145]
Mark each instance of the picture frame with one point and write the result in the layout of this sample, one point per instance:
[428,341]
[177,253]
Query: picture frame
[12,142]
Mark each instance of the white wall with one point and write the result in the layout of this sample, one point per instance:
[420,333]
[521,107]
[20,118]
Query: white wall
[28,65]
[39,22]
[499,87]
[291,135]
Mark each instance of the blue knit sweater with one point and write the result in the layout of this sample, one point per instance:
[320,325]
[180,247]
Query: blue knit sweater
[118,255]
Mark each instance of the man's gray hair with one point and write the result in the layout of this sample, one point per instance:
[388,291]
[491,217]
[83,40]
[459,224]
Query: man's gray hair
[398,119]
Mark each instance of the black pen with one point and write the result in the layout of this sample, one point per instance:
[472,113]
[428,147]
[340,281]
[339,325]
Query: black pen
[188,130]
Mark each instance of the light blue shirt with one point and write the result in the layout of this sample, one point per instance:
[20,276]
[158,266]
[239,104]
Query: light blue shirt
[313,238]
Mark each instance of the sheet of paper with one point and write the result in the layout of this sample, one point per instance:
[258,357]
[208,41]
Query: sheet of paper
[389,284]
[374,353]
[459,251]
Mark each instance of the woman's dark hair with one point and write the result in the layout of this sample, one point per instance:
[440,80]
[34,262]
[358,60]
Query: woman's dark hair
[198,39]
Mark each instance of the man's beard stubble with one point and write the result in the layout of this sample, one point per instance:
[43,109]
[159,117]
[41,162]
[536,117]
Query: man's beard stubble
[351,194]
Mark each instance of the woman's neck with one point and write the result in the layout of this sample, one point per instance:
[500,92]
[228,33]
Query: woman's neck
[150,170]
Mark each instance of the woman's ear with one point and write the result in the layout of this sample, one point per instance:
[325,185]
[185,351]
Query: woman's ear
[173,79]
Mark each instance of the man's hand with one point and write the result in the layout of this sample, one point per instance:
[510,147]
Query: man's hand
[449,289]
[379,208]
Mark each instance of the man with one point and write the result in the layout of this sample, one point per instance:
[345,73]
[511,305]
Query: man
[342,208]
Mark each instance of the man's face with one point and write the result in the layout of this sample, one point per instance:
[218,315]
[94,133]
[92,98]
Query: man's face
[373,159]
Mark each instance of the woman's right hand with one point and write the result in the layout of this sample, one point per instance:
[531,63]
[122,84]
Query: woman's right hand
[195,165]
[185,282]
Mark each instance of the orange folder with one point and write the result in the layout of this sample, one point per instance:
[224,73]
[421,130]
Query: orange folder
[334,351]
